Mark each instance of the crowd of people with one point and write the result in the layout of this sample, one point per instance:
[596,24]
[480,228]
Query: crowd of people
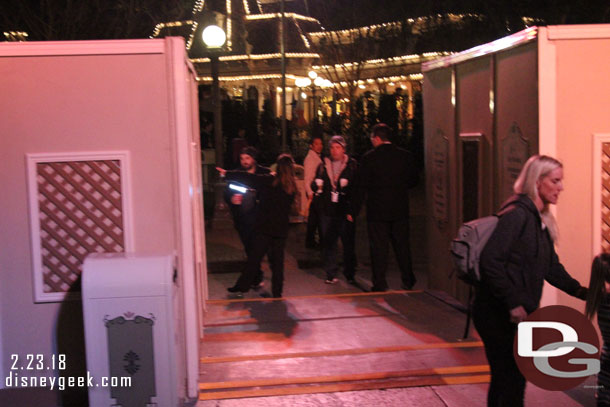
[336,188]
[517,259]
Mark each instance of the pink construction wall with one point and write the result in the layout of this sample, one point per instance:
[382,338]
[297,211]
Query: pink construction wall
[580,59]
[79,103]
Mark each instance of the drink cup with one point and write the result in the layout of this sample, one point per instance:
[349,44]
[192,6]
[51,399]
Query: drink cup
[319,183]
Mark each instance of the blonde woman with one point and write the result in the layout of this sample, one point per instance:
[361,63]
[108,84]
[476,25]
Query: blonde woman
[517,259]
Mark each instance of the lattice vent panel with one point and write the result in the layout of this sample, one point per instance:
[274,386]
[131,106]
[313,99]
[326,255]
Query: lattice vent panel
[605,197]
[80,212]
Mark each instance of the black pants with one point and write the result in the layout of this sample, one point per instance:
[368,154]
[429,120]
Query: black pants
[380,236]
[274,248]
[507,387]
[334,228]
[244,224]
[313,223]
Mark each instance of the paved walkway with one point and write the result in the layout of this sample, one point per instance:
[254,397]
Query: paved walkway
[321,342]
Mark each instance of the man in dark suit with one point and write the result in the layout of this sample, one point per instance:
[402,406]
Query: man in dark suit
[385,176]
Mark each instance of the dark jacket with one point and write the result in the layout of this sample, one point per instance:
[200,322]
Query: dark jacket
[250,199]
[273,211]
[517,259]
[386,173]
[348,172]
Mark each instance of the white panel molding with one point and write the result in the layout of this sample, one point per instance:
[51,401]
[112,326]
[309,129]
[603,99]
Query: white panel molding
[596,217]
[65,48]
[578,32]
[32,160]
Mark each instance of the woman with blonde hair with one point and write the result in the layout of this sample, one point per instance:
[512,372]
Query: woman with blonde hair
[518,257]
[276,194]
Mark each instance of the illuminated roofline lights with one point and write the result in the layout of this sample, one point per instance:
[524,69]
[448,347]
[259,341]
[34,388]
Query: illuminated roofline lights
[246,77]
[198,6]
[414,57]
[229,42]
[225,58]
[161,26]
[278,15]
[189,43]
[12,34]
[412,77]
[390,24]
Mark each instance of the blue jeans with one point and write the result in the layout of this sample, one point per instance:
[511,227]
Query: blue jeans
[334,228]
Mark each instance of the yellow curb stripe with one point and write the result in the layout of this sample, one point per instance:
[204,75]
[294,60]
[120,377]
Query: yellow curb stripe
[451,370]
[341,352]
[339,387]
[254,321]
[301,297]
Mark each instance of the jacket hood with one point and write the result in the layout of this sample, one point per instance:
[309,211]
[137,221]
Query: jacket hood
[521,200]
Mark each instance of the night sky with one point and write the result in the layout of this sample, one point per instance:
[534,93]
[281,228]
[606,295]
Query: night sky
[107,19]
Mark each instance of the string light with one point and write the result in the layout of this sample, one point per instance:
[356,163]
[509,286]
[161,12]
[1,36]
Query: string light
[16,35]
[303,36]
[278,15]
[189,43]
[394,24]
[229,42]
[198,6]
[244,57]
[161,26]
[246,77]
[393,60]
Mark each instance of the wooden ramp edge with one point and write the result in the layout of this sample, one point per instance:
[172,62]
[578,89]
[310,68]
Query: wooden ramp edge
[355,382]
[340,352]
[317,296]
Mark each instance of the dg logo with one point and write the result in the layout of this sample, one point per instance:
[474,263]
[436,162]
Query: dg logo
[557,348]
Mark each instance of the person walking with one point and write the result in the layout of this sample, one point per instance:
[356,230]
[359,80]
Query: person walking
[310,164]
[598,302]
[333,185]
[276,193]
[243,204]
[517,258]
[385,176]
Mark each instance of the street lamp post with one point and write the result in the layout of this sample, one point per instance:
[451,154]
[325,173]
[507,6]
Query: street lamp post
[313,82]
[214,38]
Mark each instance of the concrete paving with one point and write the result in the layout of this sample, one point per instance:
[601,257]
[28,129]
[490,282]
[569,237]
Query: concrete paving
[294,338]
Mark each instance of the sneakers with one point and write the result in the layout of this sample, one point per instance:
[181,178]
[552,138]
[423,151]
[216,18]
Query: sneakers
[332,281]
[407,287]
[238,292]
[258,286]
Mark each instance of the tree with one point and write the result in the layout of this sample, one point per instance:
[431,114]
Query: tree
[55,20]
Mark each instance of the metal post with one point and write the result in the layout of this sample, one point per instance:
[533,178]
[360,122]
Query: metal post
[283,98]
[216,105]
[315,103]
